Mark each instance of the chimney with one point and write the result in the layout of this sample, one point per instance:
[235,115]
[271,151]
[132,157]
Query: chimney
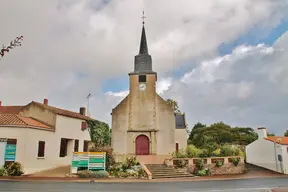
[262,132]
[45,102]
[82,111]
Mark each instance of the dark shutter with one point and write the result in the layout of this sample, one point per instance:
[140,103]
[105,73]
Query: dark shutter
[85,146]
[63,148]
[76,145]
[41,148]
[83,126]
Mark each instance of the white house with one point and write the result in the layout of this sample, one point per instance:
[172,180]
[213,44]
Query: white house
[270,152]
[42,136]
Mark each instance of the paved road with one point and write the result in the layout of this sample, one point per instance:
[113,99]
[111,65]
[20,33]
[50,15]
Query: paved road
[245,185]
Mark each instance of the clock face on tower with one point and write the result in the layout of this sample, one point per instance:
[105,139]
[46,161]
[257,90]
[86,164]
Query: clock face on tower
[142,86]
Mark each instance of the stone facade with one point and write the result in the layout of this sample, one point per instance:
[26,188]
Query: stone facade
[144,114]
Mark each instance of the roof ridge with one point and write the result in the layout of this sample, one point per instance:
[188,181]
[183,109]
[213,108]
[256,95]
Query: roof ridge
[53,107]
[60,111]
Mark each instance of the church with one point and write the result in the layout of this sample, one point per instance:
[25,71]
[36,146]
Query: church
[143,123]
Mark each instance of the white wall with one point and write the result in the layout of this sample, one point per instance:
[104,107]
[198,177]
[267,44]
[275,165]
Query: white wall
[70,128]
[261,153]
[2,152]
[285,158]
[28,138]
[181,138]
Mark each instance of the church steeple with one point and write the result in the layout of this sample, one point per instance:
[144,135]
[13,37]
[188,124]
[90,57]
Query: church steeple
[143,44]
[143,61]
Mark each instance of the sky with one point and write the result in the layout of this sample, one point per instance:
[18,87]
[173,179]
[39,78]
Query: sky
[221,60]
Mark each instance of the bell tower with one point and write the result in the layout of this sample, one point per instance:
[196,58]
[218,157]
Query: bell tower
[142,112]
[143,123]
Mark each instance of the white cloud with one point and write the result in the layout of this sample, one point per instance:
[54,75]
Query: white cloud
[71,46]
[247,87]
[161,86]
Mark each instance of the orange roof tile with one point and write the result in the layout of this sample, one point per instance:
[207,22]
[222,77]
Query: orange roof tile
[17,120]
[10,109]
[276,139]
[63,111]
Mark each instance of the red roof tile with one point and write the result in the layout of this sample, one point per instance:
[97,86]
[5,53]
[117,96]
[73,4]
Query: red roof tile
[17,120]
[10,109]
[276,139]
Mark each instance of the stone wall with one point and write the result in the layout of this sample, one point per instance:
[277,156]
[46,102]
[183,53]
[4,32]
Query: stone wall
[227,168]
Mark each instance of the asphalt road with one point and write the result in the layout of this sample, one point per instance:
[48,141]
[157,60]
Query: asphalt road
[245,185]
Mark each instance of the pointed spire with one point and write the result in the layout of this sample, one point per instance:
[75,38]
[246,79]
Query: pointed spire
[143,44]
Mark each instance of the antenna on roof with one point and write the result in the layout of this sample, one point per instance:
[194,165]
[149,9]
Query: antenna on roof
[88,103]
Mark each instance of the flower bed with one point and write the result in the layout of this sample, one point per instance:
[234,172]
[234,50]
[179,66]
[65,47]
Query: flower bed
[128,169]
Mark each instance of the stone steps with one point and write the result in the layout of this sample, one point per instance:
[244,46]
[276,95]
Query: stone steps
[162,171]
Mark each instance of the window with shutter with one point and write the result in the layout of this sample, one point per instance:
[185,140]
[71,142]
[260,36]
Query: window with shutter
[85,146]
[84,126]
[41,148]
[63,147]
[76,145]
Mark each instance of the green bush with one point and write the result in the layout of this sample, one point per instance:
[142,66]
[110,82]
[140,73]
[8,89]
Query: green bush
[101,174]
[219,163]
[201,172]
[14,169]
[227,150]
[3,172]
[205,153]
[208,171]
[141,173]
[200,164]
[92,174]
[192,151]
[129,163]
[235,161]
[180,154]
[216,153]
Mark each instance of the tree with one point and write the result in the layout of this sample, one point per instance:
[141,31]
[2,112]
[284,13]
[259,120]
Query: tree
[270,134]
[198,125]
[174,105]
[15,43]
[286,133]
[100,133]
[217,134]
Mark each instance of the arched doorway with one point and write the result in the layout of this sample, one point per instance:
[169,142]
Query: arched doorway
[142,145]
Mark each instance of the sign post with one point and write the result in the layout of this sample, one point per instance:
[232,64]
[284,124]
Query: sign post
[88,160]
[10,152]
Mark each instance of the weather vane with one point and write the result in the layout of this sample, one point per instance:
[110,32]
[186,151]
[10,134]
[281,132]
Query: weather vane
[143,17]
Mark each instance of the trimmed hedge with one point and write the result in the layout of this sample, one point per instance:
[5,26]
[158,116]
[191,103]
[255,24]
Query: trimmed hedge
[93,174]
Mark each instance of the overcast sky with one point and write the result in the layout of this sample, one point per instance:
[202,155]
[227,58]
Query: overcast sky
[222,60]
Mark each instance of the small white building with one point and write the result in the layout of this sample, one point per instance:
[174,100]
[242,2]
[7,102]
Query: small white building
[270,152]
[40,136]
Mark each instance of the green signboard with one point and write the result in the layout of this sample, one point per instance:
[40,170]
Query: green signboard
[88,160]
[10,152]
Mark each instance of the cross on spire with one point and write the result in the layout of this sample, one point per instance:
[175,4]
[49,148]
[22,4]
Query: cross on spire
[143,17]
